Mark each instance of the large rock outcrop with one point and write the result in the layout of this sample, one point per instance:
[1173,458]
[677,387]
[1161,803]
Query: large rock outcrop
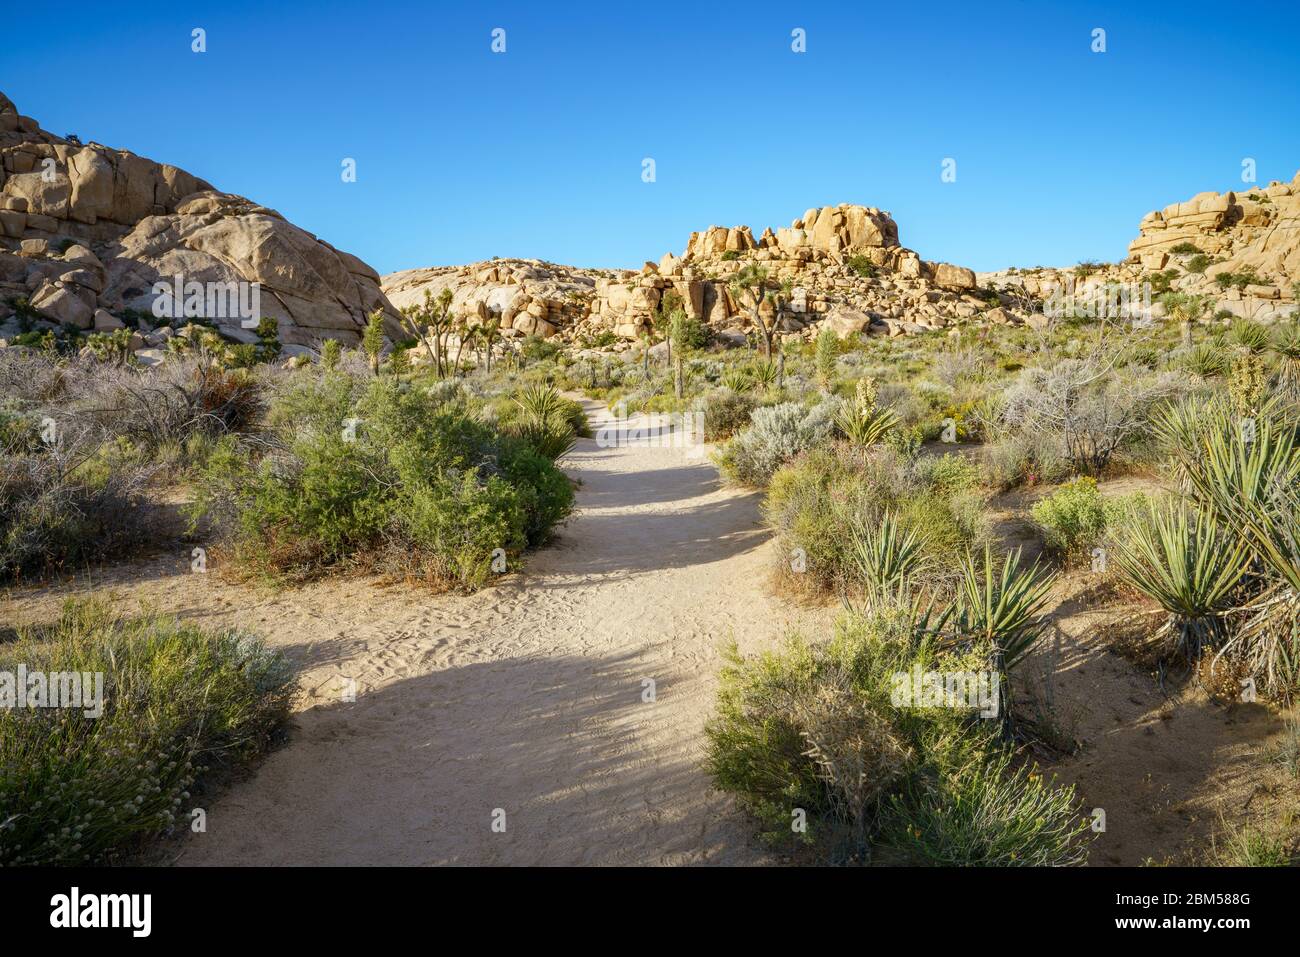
[1239,252]
[844,266]
[87,229]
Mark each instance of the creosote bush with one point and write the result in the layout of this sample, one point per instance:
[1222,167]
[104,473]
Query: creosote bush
[818,501]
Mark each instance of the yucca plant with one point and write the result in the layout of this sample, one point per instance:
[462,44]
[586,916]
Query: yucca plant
[1189,565]
[1245,472]
[737,380]
[885,556]
[1248,334]
[1000,605]
[864,422]
[1286,348]
[544,421]
[765,374]
[1205,359]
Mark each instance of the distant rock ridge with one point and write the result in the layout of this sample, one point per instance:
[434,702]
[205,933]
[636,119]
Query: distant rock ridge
[843,264]
[86,230]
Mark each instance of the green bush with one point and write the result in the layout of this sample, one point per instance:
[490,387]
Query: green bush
[988,813]
[816,501]
[1073,518]
[819,728]
[177,702]
[394,479]
[726,411]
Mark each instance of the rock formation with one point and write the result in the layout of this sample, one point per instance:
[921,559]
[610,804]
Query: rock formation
[521,296]
[86,231]
[1251,238]
[843,265]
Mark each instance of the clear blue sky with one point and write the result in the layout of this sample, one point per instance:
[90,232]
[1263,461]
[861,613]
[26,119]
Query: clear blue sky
[463,154]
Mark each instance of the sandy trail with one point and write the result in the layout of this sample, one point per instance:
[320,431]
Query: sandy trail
[527,696]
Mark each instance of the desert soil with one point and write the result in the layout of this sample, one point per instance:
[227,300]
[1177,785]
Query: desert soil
[529,697]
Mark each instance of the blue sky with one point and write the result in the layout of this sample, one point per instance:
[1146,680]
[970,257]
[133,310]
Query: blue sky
[463,154]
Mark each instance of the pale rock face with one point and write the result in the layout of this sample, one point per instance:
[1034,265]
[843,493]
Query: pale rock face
[135,222]
[954,277]
[1255,227]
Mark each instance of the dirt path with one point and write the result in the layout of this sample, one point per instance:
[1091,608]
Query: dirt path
[527,696]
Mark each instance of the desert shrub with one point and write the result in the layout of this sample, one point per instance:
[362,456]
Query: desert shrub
[726,411]
[1238,280]
[1198,263]
[169,403]
[861,265]
[536,349]
[178,702]
[73,499]
[1184,248]
[1083,409]
[776,434]
[988,813]
[817,501]
[1016,460]
[821,728]
[1073,518]
[393,479]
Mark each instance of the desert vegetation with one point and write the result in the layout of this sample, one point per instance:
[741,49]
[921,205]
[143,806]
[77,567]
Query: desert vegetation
[180,708]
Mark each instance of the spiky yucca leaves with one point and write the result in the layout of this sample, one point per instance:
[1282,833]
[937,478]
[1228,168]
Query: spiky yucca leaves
[764,374]
[1001,608]
[1286,348]
[885,556]
[1248,334]
[864,422]
[737,380]
[1244,471]
[1206,359]
[1187,563]
[544,421]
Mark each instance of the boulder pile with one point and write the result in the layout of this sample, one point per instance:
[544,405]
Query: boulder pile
[86,231]
[843,267]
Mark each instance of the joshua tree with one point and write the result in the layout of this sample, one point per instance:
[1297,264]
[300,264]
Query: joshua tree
[372,341]
[678,343]
[490,332]
[751,288]
[430,322]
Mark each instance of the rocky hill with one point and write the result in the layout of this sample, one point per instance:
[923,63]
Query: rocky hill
[87,230]
[1238,251]
[844,264]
